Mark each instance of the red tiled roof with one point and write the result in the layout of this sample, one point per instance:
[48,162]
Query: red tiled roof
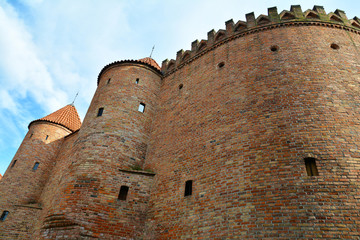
[67,117]
[0,176]
[150,61]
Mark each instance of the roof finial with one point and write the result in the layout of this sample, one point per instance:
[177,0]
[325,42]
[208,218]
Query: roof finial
[152,50]
[75,98]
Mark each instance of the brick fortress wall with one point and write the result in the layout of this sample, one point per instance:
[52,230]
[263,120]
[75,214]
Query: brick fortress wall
[239,114]
[105,146]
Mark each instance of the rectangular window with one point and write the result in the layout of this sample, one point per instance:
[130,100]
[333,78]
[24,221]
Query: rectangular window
[13,164]
[36,165]
[137,81]
[108,80]
[141,107]
[311,168]
[4,215]
[47,136]
[188,188]
[100,112]
[123,192]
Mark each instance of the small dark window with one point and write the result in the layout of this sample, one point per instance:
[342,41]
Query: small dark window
[36,165]
[12,165]
[311,168]
[181,86]
[31,135]
[188,188]
[137,81]
[47,136]
[100,112]
[141,107]
[221,65]
[108,80]
[334,46]
[123,192]
[274,48]
[4,215]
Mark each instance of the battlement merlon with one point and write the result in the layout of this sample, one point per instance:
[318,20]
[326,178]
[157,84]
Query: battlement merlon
[295,15]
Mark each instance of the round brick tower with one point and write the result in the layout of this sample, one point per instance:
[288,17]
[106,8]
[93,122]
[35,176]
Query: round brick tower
[266,144]
[23,181]
[113,137]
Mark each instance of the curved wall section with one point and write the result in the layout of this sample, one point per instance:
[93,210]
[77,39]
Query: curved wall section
[242,129]
[25,178]
[111,140]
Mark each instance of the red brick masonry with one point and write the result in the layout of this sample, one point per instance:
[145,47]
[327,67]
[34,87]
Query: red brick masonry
[237,114]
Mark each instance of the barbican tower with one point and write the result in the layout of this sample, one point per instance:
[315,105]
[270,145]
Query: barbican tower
[251,134]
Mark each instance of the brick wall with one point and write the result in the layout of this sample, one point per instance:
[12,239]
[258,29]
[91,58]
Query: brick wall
[22,185]
[87,201]
[241,133]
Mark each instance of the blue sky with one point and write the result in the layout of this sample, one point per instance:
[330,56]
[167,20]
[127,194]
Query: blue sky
[51,49]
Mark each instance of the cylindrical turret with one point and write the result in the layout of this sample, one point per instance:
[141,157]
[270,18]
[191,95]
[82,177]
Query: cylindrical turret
[113,137]
[29,170]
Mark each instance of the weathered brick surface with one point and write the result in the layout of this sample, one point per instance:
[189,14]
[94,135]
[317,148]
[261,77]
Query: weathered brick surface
[91,179]
[233,116]
[21,185]
[241,133]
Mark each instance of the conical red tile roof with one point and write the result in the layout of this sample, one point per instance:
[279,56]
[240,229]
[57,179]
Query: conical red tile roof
[150,61]
[67,117]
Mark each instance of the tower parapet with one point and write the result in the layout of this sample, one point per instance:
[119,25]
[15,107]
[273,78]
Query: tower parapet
[316,16]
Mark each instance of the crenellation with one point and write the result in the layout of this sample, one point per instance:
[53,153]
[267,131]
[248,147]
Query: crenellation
[164,65]
[273,14]
[230,26]
[287,15]
[211,37]
[179,56]
[220,35]
[262,20]
[240,26]
[311,14]
[341,14]
[250,20]
[319,9]
[297,11]
[295,15]
[194,47]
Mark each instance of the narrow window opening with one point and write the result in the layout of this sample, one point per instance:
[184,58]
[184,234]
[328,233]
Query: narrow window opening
[137,81]
[311,168]
[274,48]
[4,215]
[141,107]
[12,165]
[31,135]
[47,136]
[36,165]
[100,112]
[221,65]
[334,46]
[108,80]
[181,86]
[123,192]
[188,188]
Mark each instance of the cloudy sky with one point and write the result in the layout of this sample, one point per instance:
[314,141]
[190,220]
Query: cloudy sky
[51,49]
